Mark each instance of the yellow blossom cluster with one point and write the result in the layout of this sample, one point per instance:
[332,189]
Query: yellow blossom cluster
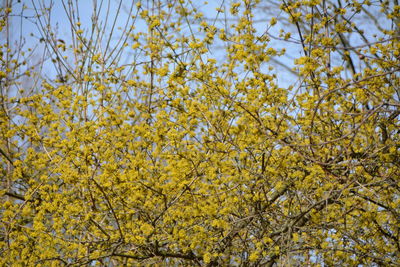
[263,134]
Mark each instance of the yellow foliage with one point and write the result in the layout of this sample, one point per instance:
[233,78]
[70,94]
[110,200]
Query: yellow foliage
[152,142]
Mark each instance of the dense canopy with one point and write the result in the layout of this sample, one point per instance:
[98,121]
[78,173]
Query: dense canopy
[184,133]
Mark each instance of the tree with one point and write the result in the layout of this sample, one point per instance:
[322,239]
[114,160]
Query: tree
[260,134]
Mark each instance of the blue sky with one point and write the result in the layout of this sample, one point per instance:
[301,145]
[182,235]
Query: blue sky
[61,26]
